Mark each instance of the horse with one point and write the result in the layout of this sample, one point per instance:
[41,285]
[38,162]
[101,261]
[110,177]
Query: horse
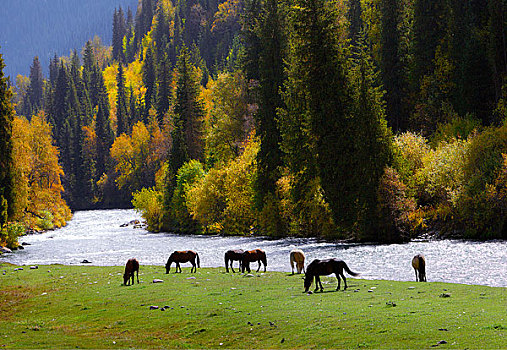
[183,257]
[297,257]
[253,255]
[419,265]
[131,267]
[231,256]
[326,267]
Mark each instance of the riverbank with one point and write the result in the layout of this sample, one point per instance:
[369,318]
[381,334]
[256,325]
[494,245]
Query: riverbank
[56,306]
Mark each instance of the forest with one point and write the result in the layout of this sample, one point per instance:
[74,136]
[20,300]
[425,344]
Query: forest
[44,28]
[359,120]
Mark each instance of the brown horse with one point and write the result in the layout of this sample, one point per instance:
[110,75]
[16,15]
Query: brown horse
[131,267]
[297,257]
[419,265]
[183,257]
[253,255]
[326,267]
[231,256]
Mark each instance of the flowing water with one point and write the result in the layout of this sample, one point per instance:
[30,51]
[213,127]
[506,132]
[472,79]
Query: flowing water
[97,237]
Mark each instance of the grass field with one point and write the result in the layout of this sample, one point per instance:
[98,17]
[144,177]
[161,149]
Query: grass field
[87,307]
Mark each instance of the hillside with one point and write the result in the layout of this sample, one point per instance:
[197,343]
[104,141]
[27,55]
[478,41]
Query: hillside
[47,27]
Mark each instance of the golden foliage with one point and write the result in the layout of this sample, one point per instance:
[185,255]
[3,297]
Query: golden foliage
[38,175]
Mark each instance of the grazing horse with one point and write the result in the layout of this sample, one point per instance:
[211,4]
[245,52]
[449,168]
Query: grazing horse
[251,256]
[297,257]
[326,267]
[231,256]
[183,257]
[131,267]
[419,265]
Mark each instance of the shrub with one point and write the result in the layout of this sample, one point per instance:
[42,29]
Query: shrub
[9,234]
[222,201]
[148,202]
[188,175]
[397,212]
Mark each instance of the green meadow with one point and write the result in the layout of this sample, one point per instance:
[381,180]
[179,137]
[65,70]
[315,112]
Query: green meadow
[87,307]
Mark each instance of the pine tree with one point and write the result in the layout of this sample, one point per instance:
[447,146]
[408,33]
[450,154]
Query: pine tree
[187,138]
[250,38]
[391,66]
[271,75]
[373,148]
[122,118]
[164,88]
[103,130]
[355,21]
[188,107]
[316,75]
[35,90]
[119,31]
[428,31]
[149,77]
[6,161]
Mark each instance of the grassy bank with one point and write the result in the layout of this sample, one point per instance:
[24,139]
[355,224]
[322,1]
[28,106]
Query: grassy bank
[85,306]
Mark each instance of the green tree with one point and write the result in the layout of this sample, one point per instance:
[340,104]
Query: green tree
[187,135]
[122,117]
[149,77]
[391,66]
[35,90]
[6,159]
[164,78]
[318,67]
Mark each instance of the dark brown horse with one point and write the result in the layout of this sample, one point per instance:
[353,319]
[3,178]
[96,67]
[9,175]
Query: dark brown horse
[251,256]
[183,257]
[131,267]
[326,267]
[231,256]
[419,265]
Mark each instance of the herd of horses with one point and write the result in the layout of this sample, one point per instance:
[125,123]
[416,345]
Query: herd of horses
[313,271]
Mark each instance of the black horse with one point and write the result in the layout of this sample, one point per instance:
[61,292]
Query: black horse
[251,256]
[319,268]
[231,256]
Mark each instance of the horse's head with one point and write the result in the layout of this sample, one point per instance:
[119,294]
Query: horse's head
[126,278]
[308,281]
[168,267]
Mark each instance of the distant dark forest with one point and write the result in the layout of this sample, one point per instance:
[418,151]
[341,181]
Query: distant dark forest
[44,28]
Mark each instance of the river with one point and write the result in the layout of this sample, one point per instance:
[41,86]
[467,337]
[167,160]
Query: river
[97,237]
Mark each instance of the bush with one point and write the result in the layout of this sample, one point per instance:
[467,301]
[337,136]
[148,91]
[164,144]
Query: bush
[397,212]
[148,202]
[188,175]
[222,201]
[9,234]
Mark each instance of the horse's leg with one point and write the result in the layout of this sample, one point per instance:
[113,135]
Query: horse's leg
[227,265]
[337,274]
[232,268]
[259,267]
[344,281]
[416,279]
[178,267]
[194,268]
[292,265]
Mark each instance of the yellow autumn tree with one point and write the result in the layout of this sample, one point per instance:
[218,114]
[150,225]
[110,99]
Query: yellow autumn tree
[139,156]
[38,175]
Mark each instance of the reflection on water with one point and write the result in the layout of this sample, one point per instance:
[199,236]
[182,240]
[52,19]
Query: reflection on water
[97,236]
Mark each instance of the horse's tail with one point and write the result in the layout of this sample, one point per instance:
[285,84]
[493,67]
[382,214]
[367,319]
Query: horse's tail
[198,261]
[422,264]
[348,270]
